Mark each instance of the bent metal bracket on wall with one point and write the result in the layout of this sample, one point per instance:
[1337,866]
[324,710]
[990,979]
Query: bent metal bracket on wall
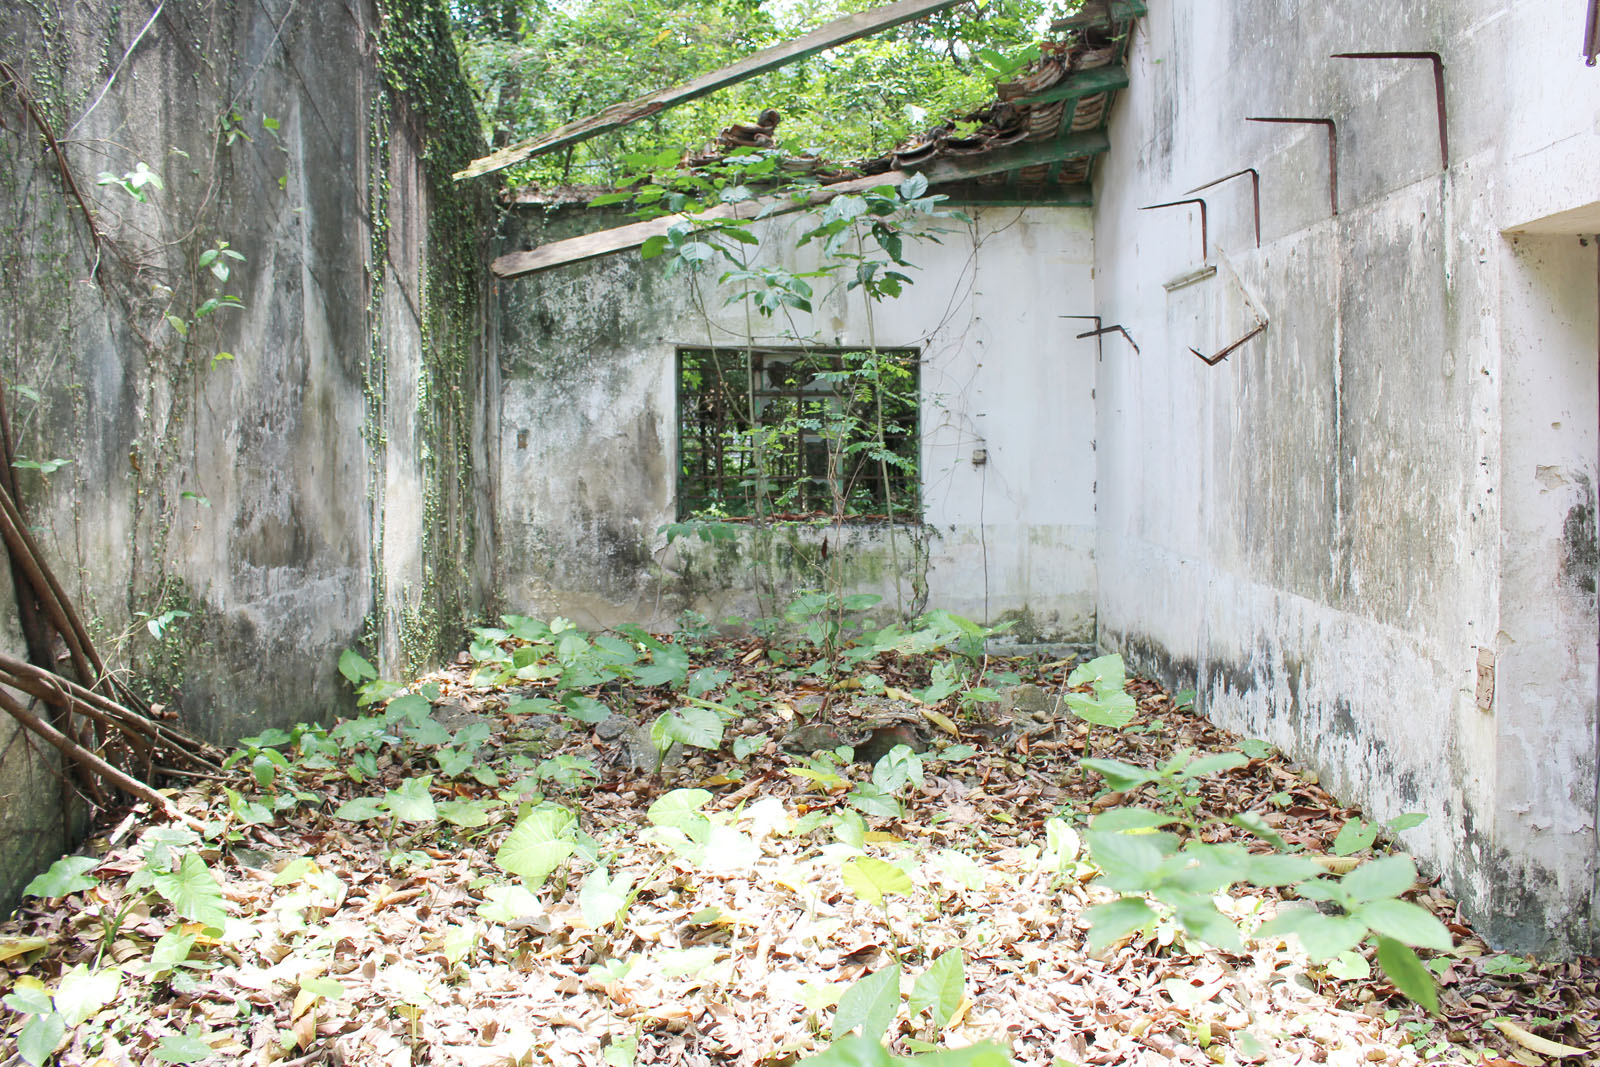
[1212,361]
[1255,193]
[1438,89]
[1333,151]
[1100,331]
[1205,248]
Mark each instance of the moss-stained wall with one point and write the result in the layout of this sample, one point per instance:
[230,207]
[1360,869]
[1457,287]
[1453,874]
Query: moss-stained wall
[278,466]
[587,431]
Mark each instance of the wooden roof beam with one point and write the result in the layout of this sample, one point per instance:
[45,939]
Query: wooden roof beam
[838,32]
[940,171]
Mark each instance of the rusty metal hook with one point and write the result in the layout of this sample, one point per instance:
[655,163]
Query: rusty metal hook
[1333,151]
[1100,331]
[1438,88]
[1255,192]
[1205,248]
[1212,361]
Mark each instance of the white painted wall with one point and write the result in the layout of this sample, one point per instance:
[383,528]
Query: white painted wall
[1324,529]
[588,423]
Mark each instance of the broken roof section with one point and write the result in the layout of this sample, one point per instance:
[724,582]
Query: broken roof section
[1035,144]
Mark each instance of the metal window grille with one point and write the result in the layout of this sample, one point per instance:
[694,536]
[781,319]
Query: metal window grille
[795,433]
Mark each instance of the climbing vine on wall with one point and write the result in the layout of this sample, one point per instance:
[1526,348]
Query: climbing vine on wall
[418,61]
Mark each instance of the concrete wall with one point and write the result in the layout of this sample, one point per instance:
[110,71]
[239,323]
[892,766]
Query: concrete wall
[283,497]
[1325,529]
[588,417]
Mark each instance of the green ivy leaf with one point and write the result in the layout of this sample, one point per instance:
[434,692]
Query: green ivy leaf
[871,1004]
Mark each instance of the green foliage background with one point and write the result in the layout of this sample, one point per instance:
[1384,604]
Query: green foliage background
[536,64]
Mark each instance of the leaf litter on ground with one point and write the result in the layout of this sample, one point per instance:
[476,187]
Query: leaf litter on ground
[481,875]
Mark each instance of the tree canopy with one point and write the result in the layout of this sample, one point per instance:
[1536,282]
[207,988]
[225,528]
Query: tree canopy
[536,64]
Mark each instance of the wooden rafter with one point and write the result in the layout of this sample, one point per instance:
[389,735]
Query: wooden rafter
[840,31]
[940,171]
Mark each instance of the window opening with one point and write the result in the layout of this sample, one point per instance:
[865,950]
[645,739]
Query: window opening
[819,433]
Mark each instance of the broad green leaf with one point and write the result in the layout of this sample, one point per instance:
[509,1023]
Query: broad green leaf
[1201,918]
[535,846]
[359,809]
[1214,764]
[872,879]
[1113,709]
[38,1040]
[31,998]
[1119,776]
[508,903]
[467,813]
[193,892]
[852,1052]
[871,1004]
[355,667]
[680,808]
[622,1051]
[411,708]
[171,949]
[412,802]
[690,725]
[1408,923]
[1105,673]
[326,988]
[1276,870]
[183,1048]
[1112,921]
[601,899]
[868,799]
[1322,936]
[744,745]
[1406,821]
[82,993]
[1354,836]
[940,987]
[1407,973]
[1129,862]
[69,874]
[1386,877]
[1350,966]
[459,940]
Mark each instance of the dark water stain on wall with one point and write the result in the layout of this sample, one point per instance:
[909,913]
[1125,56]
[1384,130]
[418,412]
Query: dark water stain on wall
[1580,552]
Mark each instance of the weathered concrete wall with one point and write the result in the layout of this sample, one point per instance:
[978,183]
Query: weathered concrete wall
[282,494]
[1325,529]
[588,417]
